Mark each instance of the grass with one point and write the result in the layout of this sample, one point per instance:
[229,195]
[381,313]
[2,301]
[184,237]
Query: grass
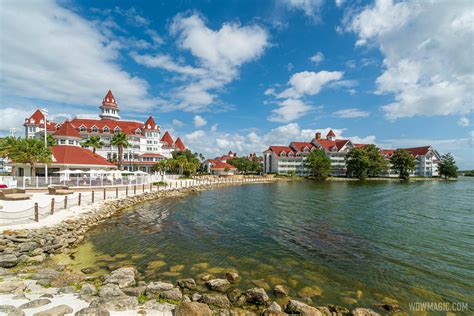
[142,298]
[167,300]
[159,183]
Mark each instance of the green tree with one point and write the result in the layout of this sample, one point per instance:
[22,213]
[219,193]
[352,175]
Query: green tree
[447,166]
[26,150]
[93,142]
[320,164]
[403,162]
[120,140]
[366,161]
[50,141]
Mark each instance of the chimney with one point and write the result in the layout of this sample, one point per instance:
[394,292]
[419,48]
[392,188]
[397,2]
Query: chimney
[318,135]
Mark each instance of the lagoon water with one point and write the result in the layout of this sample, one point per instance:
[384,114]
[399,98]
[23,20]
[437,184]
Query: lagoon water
[353,243]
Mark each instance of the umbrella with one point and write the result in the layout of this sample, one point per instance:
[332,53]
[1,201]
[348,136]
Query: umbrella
[140,172]
[65,171]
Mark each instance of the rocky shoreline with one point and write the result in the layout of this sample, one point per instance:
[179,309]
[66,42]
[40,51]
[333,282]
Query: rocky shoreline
[24,278]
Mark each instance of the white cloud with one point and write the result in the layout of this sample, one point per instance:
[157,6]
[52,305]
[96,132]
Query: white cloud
[36,37]
[199,121]
[13,118]
[178,123]
[339,3]
[269,91]
[311,8]
[199,134]
[218,55]
[309,83]
[464,122]
[317,58]
[351,113]
[289,110]
[429,72]
[214,127]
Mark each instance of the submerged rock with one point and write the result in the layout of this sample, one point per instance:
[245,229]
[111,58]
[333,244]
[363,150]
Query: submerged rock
[88,270]
[364,312]
[280,291]
[193,309]
[187,283]
[257,296]
[215,299]
[310,291]
[220,285]
[232,277]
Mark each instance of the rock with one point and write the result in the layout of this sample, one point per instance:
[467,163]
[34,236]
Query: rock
[388,307]
[273,310]
[220,285]
[280,291]
[324,310]
[59,310]
[173,294]
[92,311]
[123,277]
[195,297]
[124,303]
[158,287]
[337,309]
[35,303]
[11,310]
[206,277]
[67,289]
[298,307]
[88,270]
[193,309]
[232,277]
[186,299]
[8,260]
[134,291]
[310,291]
[36,259]
[46,274]
[274,306]
[257,295]
[12,286]
[27,246]
[187,284]
[218,300]
[349,300]
[261,283]
[234,294]
[88,289]
[36,252]
[164,308]
[364,312]
[110,291]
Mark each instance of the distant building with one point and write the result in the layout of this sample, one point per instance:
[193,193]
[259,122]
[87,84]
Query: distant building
[147,144]
[292,158]
[219,165]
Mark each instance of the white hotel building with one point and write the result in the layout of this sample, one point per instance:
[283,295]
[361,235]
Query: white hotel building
[148,145]
[292,158]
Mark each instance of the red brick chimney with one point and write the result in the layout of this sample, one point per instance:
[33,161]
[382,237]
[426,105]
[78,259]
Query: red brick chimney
[318,135]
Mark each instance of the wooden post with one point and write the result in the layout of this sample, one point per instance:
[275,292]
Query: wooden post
[134,189]
[52,206]
[36,213]
[93,196]
[65,202]
[79,199]
[105,194]
[143,187]
[126,190]
[116,192]
[151,187]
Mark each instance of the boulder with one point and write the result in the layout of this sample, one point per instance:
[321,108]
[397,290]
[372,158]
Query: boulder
[364,312]
[298,307]
[88,270]
[220,285]
[234,294]
[123,277]
[36,252]
[274,306]
[232,277]
[92,311]
[218,300]
[27,246]
[11,310]
[59,310]
[195,297]
[163,308]
[337,309]
[47,275]
[187,284]
[35,303]
[12,286]
[173,294]
[8,260]
[257,295]
[110,291]
[134,291]
[36,259]
[280,291]
[158,287]
[193,309]
[120,303]
[88,289]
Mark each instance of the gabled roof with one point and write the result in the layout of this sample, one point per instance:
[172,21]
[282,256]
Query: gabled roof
[330,133]
[37,118]
[299,146]
[150,123]
[109,99]
[167,139]
[179,144]
[329,144]
[222,165]
[360,145]
[387,152]
[279,149]
[75,155]
[418,151]
[128,127]
[68,130]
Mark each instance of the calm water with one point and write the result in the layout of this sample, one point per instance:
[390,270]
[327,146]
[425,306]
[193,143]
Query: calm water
[368,242]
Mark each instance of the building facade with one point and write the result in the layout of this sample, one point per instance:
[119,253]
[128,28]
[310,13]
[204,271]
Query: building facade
[147,144]
[291,159]
[219,165]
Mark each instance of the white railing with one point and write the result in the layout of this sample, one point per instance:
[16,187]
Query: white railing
[60,203]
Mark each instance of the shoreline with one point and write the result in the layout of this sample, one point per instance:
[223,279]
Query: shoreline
[25,275]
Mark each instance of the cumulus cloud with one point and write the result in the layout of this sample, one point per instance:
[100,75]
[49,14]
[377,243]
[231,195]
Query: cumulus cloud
[311,8]
[464,122]
[199,121]
[289,110]
[351,113]
[317,58]
[166,62]
[33,63]
[429,72]
[177,123]
[309,83]
[13,118]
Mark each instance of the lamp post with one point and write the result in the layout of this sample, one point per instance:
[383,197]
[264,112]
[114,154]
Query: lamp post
[45,114]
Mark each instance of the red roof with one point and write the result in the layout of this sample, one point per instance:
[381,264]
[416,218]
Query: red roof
[387,152]
[330,133]
[67,129]
[179,144]
[329,144]
[221,165]
[75,155]
[150,123]
[152,155]
[299,146]
[109,99]
[128,127]
[279,149]
[360,145]
[38,119]
[418,151]
[167,139]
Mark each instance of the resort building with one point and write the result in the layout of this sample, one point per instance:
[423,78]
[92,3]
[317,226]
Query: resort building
[148,145]
[219,166]
[291,159]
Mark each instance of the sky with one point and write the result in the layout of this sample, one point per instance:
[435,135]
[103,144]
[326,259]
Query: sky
[243,75]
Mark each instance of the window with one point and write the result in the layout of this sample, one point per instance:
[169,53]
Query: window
[82,128]
[138,131]
[71,142]
[117,129]
[106,129]
[305,149]
[283,154]
[62,141]
[31,129]
[95,129]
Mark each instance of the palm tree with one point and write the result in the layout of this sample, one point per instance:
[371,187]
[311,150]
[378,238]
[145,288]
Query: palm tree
[120,140]
[181,161]
[94,142]
[31,151]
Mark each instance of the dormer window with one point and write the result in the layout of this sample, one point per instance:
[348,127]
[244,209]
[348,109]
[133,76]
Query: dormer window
[306,149]
[83,128]
[298,154]
[106,129]
[117,129]
[290,155]
[95,129]
[283,154]
[138,131]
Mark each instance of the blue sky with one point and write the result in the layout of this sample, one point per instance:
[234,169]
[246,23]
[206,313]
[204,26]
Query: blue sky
[243,75]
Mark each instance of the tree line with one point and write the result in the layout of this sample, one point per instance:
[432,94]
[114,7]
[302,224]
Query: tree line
[183,162]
